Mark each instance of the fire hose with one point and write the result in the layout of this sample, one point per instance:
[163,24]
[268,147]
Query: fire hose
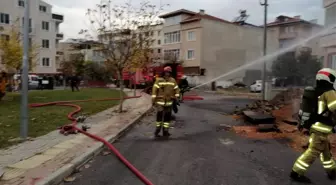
[72,128]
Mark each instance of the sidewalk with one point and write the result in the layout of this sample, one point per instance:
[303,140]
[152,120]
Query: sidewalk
[41,157]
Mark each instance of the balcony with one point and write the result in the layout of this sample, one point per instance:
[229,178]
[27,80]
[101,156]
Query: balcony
[59,36]
[57,17]
[288,35]
[328,40]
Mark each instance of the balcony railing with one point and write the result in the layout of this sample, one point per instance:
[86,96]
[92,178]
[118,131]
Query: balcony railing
[58,17]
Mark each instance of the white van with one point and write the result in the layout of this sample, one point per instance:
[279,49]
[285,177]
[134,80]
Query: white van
[32,80]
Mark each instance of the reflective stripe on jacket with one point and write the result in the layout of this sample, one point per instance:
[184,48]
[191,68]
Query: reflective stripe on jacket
[326,101]
[164,91]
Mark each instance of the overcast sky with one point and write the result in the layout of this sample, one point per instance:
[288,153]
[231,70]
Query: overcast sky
[74,10]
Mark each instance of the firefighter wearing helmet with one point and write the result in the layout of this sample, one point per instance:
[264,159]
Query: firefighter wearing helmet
[165,91]
[316,113]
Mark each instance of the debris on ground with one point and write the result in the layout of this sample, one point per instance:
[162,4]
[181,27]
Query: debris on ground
[278,102]
[268,128]
[258,118]
[284,107]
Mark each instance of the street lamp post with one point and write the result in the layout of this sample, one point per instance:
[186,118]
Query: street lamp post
[25,67]
[265,4]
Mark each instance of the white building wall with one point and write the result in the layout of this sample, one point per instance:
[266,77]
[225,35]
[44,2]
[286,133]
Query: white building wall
[12,8]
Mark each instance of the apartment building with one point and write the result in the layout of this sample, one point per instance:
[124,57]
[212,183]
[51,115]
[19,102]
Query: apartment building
[328,41]
[44,29]
[157,37]
[290,30]
[73,49]
[210,46]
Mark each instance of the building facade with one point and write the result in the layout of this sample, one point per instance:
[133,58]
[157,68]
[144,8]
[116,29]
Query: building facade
[44,30]
[328,41]
[210,47]
[75,49]
[291,30]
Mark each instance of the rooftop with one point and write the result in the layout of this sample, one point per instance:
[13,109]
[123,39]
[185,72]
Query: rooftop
[177,12]
[283,20]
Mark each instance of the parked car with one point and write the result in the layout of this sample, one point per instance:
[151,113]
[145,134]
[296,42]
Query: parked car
[256,86]
[32,80]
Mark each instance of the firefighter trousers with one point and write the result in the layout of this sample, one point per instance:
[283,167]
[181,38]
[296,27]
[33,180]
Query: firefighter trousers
[319,146]
[163,117]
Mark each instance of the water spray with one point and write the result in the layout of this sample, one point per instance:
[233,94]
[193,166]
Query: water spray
[270,56]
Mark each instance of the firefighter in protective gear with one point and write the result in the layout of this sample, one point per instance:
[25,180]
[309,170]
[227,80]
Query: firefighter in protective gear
[165,91]
[322,127]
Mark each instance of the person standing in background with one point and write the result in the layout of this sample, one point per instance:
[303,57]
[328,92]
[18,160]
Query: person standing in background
[74,82]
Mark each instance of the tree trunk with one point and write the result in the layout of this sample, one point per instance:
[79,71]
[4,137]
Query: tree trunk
[121,91]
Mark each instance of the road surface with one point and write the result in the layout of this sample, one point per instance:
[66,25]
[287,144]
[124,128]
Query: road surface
[199,153]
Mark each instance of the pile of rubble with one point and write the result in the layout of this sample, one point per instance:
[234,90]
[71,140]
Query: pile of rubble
[279,101]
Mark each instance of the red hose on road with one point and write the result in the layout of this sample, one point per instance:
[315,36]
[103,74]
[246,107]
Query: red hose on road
[73,127]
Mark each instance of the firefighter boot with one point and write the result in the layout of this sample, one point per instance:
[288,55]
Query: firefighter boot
[299,178]
[157,132]
[166,132]
[332,174]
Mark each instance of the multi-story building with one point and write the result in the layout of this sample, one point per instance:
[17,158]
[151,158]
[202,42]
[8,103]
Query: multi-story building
[328,41]
[291,30]
[44,30]
[75,49]
[210,47]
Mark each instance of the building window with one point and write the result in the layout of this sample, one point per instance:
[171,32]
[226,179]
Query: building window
[191,36]
[152,33]
[172,37]
[159,51]
[21,3]
[30,24]
[172,55]
[45,25]
[4,18]
[4,37]
[190,54]
[159,42]
[159,33]
[46,62]
[45,43]
[43,8]
[289,29]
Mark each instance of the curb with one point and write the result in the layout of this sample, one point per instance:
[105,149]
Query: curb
[57,176]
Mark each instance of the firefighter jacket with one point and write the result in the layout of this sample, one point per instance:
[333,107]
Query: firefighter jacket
[326,107]
[165,91]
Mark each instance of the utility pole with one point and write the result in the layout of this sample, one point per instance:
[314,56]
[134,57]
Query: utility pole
[24,75]
[265,4]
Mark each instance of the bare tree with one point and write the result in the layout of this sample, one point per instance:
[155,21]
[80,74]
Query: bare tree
[124,31]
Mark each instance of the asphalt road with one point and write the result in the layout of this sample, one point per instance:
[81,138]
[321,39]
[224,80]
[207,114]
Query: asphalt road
[199,153]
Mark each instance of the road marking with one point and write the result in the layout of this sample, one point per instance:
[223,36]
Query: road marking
[226,141]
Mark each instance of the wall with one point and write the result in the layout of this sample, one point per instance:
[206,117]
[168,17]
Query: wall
[195,45]
[301,31]
[228,46]
[11,7]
